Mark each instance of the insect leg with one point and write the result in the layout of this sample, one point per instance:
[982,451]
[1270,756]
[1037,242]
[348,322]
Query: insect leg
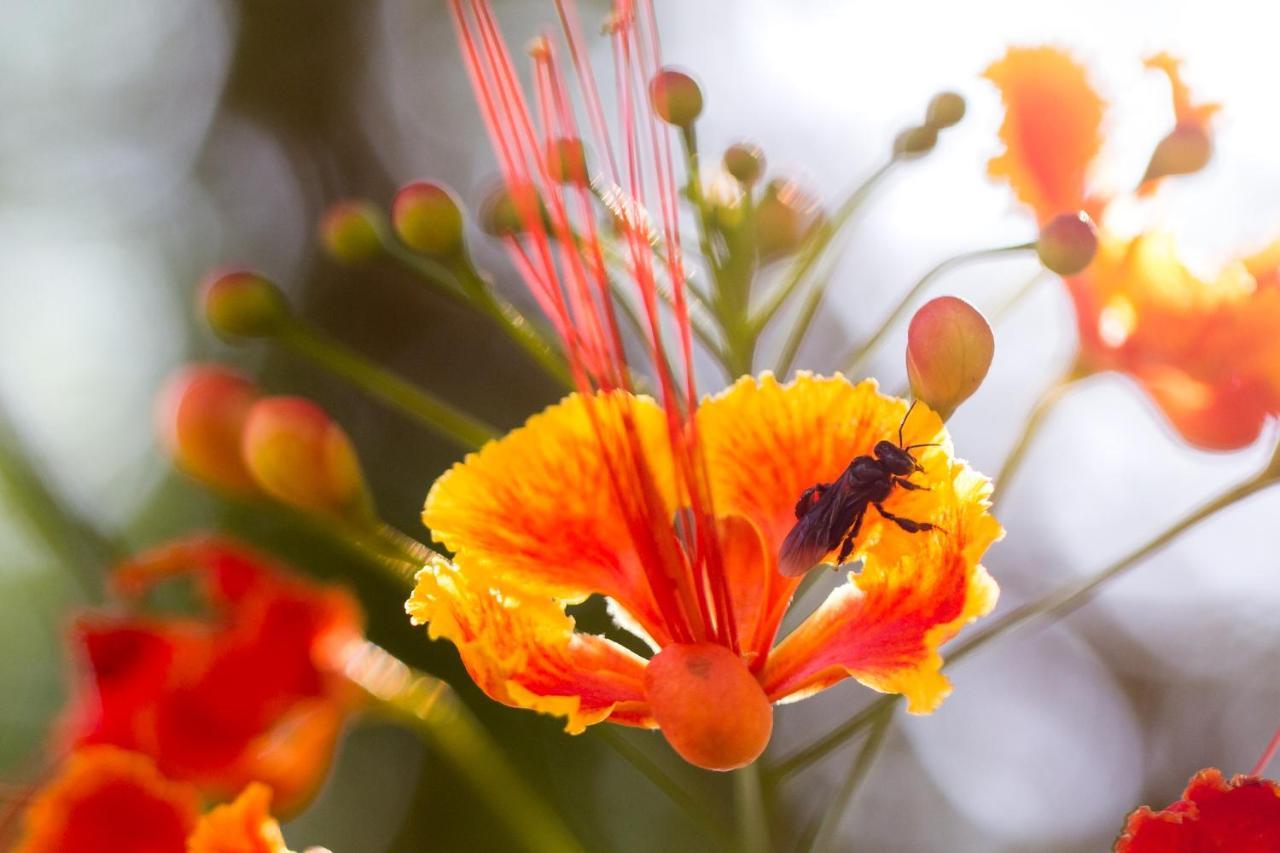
[908,485]
[846,547]
[905,523]
[811,496]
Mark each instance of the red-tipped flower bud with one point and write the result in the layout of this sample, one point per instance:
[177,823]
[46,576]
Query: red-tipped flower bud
[915,141]
[949,350]
[428,219]
[352,231]
[709,706]
[786,215]
[299,456]
[676,97]
[745,162]
[1067,243]
[200,418]
[567,161]
[243,304]
[1185,150]
[945,110]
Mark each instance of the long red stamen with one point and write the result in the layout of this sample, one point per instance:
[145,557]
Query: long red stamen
[571,283]
[1267,754]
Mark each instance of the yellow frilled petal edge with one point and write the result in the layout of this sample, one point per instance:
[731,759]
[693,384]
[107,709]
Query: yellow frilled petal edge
[522,650]
[244,825]
[537,511]
[1051,130]
[913,593]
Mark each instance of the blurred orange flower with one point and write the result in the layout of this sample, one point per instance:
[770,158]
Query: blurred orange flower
[1205,351]
[246,689]
[242,826]
[537,523]
[1241,816]
[108,800]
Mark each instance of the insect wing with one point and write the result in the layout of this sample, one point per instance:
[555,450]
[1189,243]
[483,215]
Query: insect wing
[819,531]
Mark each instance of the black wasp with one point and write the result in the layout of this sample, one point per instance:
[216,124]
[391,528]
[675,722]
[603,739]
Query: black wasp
[831,514]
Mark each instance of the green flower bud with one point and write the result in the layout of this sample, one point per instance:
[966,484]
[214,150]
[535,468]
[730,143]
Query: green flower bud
[915,141]
[949,350]
[352,230]
[945,110]
[1067,243]
[745,162]
[1184,151]
[428,219]
[676,97]
[243,304]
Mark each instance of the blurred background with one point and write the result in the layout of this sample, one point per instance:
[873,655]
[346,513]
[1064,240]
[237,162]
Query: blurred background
[144,144]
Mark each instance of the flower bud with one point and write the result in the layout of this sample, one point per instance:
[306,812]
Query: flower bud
[745,162]
[945,110]
[1185,150]
[428,219]
[676,97]
[949,350]
[352,231]
[785,216]
[243,304]
[915,141]
[200,418]
[567,161]
[498,216]
[709,706]
[1067,243]
[299,456]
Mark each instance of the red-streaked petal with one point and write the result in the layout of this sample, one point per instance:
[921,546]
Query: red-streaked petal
[537,510]
[523,652]
[1051,129]
[914,592]
[1240,816]
[767,442]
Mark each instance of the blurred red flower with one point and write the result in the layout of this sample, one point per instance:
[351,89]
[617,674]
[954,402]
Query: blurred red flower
[1241,816]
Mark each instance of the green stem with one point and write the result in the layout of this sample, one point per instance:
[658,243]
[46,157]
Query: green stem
[512,322]
[816,245]
[427,409]
[853,361]
[663,781]
[752,811]
[1021,292]
[808,311]
[1055,604]
[431,707]
[828,831]
[1031,428]
[78,545]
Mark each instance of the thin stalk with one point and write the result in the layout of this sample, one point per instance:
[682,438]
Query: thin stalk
[512,322]
[853,361]
[694,808]
[432,708]
[1031,427]
[1020,293]
[437,415]
[752,810]
[464,285]
[817,244]
[1055,604]
[78,545]
[808,311]
[829,829]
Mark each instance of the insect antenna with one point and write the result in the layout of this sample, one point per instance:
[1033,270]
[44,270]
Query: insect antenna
[929,444]
[904,423]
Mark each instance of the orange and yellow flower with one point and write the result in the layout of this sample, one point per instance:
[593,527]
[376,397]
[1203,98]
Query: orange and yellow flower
[250,689]
[1241,815]
[1204,350]
[109,800]
[536,523]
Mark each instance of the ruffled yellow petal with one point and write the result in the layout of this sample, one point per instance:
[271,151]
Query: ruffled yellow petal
[522,650]
[914,592]
[242,826]
[537,510]
[767,442]
[1051,129]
